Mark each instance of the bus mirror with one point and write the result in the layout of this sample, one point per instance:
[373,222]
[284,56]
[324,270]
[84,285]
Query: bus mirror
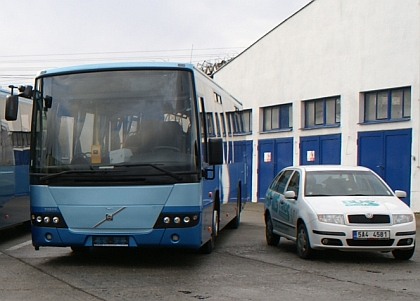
[25,91]
[11,107]
[215,151]
[48,102]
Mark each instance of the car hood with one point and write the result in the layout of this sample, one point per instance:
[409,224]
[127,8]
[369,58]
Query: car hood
[357,204]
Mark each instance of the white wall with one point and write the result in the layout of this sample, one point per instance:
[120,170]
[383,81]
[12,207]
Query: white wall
[333,48]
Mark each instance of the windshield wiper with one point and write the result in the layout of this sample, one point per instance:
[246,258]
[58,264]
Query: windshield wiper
[54,175]
[167,172]
[318,194]
[113,168]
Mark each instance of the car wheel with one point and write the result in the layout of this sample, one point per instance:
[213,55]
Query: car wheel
[271,238]
[303,246]
[402,254]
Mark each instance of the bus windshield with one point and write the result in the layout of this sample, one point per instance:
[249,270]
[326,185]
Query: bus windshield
[120,125]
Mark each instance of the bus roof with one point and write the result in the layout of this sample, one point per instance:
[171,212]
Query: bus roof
[110,66]
[127,65]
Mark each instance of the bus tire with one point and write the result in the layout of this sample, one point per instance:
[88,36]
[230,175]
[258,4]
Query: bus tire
[208,247]
[234,224]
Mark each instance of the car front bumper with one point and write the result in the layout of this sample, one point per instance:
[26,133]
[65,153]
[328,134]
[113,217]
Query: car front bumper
[343,237]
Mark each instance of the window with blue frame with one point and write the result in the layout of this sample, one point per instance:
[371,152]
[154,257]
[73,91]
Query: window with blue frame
[239,122]
[246,121]
[388,105]
[277,117]
[322,112]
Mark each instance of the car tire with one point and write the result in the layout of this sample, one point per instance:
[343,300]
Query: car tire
[271,238]
[403,254]
[303,245]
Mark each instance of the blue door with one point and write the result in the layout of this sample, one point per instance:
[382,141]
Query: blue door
[388,153]
[243,153]
[273,156]
[324,149]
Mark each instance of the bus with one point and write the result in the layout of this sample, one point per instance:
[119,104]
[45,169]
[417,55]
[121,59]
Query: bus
[14,162]
[128,155]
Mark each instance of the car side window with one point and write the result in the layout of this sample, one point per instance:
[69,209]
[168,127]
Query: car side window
[282,181]
[275,181]
[294,183]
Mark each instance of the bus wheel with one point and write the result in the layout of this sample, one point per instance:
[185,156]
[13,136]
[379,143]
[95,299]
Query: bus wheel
[79,249]
[234,224]
[208,247]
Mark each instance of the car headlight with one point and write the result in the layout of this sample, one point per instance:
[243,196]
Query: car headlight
[402,218]
[331,218]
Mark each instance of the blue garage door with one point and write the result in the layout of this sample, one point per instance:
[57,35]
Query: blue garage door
[243,153]
[324,149]
[388,153]
[273,156]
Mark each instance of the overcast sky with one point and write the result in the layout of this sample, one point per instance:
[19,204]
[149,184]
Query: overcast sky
[40,34]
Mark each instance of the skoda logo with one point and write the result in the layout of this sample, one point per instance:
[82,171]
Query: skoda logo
[369,215]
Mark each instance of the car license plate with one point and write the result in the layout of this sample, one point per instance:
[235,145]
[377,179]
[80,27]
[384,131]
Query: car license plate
[376,234]
[110,241]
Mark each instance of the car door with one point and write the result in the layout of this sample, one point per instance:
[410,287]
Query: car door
[288,207]
[273,199]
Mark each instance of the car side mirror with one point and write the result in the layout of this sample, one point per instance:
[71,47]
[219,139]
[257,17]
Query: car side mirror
[290,195]
[400,194]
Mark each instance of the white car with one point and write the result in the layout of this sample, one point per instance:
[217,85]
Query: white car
[338,207]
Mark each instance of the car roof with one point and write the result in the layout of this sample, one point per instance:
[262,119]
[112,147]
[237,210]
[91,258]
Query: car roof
[307,168]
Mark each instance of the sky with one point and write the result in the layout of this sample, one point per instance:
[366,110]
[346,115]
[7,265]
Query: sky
[41,34]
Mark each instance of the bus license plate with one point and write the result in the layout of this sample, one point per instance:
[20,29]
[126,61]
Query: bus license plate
[110,241]
[376,234]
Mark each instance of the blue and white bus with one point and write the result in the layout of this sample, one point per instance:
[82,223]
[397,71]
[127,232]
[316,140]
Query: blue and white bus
[126,154]
[14,161]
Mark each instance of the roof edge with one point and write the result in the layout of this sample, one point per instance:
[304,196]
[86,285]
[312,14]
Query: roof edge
[266,34]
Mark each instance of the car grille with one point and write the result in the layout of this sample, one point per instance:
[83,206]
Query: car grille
[362,219]
[370,243]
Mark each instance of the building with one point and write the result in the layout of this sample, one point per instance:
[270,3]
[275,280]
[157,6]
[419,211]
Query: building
[337,82]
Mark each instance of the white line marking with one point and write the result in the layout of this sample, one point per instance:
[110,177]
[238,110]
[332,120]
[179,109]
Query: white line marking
[26,243]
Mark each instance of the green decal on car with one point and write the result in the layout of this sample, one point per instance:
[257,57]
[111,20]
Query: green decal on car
[363,203]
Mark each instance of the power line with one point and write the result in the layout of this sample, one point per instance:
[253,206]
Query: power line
[21,69]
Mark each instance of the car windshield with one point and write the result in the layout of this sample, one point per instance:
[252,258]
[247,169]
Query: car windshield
[344,183]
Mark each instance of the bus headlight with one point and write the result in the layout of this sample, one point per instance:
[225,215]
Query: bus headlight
[177,220]
[48,220]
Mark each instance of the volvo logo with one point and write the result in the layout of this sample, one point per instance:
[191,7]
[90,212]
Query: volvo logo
[369,215]
[109,217]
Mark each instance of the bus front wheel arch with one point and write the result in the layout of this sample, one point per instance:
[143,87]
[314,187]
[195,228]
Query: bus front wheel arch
[208,247]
